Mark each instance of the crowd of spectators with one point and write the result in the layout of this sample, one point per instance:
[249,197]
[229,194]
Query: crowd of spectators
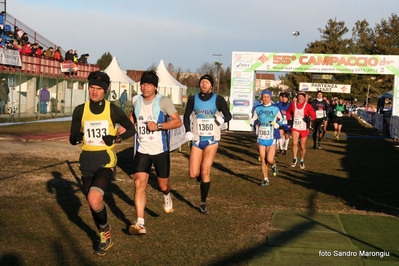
[18,40]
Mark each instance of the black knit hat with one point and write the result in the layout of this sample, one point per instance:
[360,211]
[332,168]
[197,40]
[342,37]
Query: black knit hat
[150,77]
[99,78]
[208,77]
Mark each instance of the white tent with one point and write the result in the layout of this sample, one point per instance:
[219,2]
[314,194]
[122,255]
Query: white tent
[169,86]
[119,80]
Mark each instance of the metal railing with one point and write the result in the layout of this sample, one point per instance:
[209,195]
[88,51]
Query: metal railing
[34,36]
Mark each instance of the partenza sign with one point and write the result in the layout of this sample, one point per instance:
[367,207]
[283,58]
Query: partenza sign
[325,87]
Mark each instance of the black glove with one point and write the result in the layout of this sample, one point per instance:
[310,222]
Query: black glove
[109,140]
[76,139]
[307,121]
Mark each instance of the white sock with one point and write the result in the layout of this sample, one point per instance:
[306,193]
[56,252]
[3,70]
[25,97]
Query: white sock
[140,220]
[281,141]
[287,141]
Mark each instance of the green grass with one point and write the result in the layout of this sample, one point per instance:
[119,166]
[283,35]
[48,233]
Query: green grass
[45,219]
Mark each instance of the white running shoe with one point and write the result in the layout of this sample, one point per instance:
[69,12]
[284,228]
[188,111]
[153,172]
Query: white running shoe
[167,203]
[137,229]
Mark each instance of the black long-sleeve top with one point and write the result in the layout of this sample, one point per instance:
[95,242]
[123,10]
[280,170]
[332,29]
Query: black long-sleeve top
[117,116]
[221,106]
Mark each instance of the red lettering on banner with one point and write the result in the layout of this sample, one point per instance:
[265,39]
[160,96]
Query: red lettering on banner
[330,60]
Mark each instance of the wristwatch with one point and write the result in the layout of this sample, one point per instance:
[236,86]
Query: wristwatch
[159,126]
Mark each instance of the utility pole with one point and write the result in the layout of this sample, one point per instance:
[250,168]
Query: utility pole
[296,34]
[218,66]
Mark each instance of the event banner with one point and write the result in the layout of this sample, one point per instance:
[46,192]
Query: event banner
[246,64]
[325,87]
[10,57]
[68,66]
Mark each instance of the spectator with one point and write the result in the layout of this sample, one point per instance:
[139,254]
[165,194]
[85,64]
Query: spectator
[75,56]
[39,51]
[123,100]
[49,52]
[26,50]
[20,32]
[7,30]
[24,38]
[44,97]
[83,58]
[18,45]
[69,55]
[113,97]
[16,30]
[4,91]
[9,45]
[57,54]
[34,48]
[2,17]
[184,101]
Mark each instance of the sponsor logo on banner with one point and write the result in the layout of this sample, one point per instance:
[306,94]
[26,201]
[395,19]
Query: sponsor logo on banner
[239,74]
[241,96]
[243,57]
[241,102]
[241,81]
[241,110]
[241,64]
[241,89]
[240,117]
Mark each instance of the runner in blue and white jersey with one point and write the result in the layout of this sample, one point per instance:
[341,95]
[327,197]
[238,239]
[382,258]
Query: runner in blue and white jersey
[270,119]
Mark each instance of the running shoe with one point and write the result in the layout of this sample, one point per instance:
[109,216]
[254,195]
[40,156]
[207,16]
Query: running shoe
[167,203]
[319,146]
[302,165]
[203,209]
[294,161]
[274,170]
[335,134]
[337,137]
[137,229]
[265,183]
[105,241]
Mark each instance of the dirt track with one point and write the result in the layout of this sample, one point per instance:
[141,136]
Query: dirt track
[53,144]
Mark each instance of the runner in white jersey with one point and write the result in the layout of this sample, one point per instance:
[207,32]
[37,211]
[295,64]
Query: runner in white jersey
[154,115]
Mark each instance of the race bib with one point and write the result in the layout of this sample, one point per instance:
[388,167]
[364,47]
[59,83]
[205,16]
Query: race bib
[339,114]
[265,132]
[94,132]
[144,133]
[299,124]
[320,113]
[206,127]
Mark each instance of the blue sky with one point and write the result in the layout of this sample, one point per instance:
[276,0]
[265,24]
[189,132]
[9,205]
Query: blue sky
[188,33]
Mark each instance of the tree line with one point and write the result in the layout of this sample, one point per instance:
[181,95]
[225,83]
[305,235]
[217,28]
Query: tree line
[382,39]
